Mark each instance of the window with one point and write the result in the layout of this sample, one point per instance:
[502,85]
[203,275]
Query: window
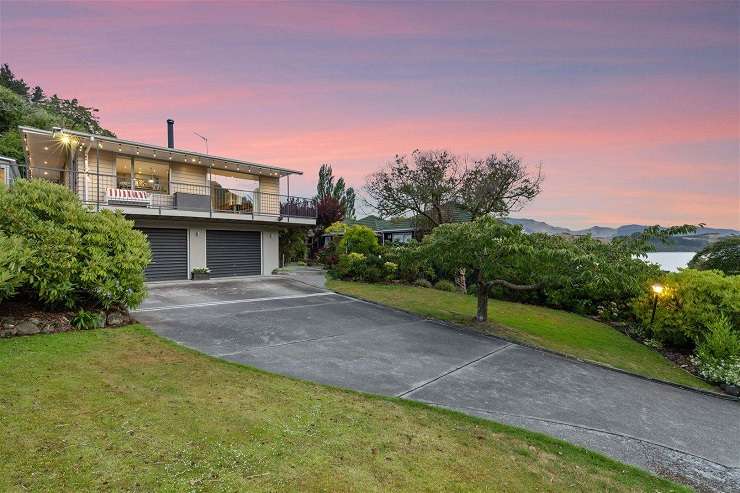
[401,237]
[3,174]
[142,175]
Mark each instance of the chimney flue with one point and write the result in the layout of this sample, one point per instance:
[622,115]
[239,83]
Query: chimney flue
[170,133]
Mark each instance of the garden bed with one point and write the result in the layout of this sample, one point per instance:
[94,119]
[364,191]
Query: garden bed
[21,318]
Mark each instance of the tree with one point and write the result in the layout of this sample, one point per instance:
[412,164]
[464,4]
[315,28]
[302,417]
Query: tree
[493,251]
[328,211]
[292,243]
[7,79]
[38,96]
[425,187]
[341,194]
[723,255]
[497,185]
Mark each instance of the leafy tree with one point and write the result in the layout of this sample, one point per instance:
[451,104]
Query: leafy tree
[328,211]
[292,243]
[424,187]
[7,79]
[358,239]
[497,185]
[494,252]
[38,96]
[723,255]
[336,198]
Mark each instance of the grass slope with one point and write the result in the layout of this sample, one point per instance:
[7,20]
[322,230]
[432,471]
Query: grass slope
[557,330]
[122,409]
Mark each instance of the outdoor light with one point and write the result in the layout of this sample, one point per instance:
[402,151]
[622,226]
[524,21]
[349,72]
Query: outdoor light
[46,148]
[657,291]
[66,139]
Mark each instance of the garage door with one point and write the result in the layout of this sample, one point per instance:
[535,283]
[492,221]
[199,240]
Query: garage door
[169,254]
[233,253]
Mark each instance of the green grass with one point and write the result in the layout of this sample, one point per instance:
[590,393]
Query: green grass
[556,330]
[121,409]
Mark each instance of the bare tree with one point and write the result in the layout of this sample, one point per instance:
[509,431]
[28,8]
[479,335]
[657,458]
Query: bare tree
[424,187]
[497,185]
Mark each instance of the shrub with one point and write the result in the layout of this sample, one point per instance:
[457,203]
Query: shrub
[85,320]
[14,255]
[351,266]
[689,304]
[358,239]
[718,355]
[721,255]
[77,258]
[390,269]
[445,285]
[411,265]
[422,283]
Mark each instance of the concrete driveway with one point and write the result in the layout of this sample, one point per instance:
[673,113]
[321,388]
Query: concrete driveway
[289,327]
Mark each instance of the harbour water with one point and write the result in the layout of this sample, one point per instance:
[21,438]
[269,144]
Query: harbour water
[670,261]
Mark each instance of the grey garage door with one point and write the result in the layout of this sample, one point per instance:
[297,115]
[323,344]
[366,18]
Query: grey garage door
[233,253]
[169,254]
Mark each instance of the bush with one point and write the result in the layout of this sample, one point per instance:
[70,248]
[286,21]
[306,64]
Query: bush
[445,285]
[422,283]
[411,265]
[721,255]
[718,356]
[85,320]
[77,258]
[14,255]
[390,269]
[689,305]
[358,239]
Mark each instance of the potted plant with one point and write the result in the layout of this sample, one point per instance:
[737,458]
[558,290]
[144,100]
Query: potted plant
[201,274]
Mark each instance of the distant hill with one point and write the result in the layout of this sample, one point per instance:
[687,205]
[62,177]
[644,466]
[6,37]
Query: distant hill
[686,243]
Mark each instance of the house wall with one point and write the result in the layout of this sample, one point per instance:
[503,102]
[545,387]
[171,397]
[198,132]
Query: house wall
[198,230]
[269,200]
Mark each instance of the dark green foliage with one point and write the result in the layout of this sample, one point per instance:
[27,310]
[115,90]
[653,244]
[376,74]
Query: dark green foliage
[85,320]
[359,267]
[18,107]
[445,285]
[722,255]
[14,256]
[423,283]
[77,258]
[292,244]
[689,304]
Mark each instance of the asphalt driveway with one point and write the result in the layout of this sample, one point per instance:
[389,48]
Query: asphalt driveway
[292,328]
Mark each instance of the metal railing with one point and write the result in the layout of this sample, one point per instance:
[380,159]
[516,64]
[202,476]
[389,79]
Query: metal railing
[92,188]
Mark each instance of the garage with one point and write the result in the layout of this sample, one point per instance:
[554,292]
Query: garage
[169,254]
[233,253]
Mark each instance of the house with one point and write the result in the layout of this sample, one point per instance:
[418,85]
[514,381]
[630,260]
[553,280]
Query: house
[197,210]
[8,170]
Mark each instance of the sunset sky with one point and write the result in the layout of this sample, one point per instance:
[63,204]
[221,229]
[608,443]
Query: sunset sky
[631,107]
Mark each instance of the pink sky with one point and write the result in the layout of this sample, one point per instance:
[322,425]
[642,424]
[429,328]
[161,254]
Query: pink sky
[632,108]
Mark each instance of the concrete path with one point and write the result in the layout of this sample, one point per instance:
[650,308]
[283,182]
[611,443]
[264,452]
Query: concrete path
[302,330]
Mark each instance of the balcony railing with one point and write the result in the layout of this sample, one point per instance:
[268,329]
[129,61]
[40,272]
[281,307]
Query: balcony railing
[101,190]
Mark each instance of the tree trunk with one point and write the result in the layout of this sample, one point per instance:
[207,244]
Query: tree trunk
[482,314]
[460,280]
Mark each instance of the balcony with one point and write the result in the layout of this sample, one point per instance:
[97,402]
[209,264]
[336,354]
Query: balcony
[99,190]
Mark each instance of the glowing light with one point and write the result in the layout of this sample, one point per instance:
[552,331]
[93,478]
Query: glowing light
[658,289]
[46,148]
[65,139]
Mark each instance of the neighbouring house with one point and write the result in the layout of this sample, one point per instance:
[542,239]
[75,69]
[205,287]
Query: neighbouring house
[8,170]
[197,210]
[400,230]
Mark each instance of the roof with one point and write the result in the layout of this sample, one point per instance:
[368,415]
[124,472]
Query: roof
[180,155]
[381,225]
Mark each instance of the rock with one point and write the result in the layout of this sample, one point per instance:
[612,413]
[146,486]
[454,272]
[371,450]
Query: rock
[101,320]
[7,324]
[731,389]
[27,328]
[116,318]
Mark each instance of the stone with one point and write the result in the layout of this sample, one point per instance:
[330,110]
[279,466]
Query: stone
[731,389]
[27,328]
[101,319]
[116,318]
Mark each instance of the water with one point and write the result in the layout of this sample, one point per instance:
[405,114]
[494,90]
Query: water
[670,261]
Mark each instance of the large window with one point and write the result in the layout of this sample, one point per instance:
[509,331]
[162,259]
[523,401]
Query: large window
[3,175]
[142,175]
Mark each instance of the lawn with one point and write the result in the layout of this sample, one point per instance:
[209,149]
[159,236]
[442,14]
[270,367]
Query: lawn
[122,409]
[557,330]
